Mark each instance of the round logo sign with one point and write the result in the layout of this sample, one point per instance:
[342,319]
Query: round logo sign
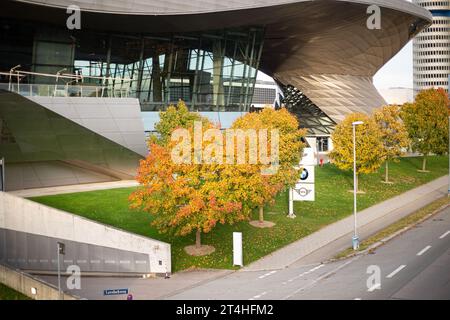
[303,192]
[304,175]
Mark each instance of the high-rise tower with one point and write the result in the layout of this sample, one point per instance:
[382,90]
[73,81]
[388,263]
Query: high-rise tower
[432,48]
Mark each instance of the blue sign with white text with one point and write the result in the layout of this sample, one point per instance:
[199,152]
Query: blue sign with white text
[114,292]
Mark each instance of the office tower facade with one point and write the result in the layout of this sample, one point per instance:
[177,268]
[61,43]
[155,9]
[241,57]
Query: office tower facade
[432,48]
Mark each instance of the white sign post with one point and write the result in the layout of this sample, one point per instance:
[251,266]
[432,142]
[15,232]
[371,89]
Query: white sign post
[237,249]
[2,175]
[305,188]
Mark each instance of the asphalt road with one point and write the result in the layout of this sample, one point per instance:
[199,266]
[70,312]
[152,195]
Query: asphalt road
[414,265]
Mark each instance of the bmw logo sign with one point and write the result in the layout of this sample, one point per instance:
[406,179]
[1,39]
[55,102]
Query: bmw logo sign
[304,175]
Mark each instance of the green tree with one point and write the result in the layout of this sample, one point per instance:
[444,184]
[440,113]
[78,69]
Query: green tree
[393,134]
[426,121]
[368,145]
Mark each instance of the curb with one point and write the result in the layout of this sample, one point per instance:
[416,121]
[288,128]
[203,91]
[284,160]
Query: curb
[392,236]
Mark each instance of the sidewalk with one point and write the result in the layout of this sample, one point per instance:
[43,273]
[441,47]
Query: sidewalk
[74,188]
[337,236]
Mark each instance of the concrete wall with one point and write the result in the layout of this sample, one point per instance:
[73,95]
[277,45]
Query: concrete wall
[118,119]
[42,174]
[23,283]
[101,248]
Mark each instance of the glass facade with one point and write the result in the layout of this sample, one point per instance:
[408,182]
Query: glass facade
[210,71]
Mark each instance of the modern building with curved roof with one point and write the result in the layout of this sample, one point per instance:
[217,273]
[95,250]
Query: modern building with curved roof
[321,53]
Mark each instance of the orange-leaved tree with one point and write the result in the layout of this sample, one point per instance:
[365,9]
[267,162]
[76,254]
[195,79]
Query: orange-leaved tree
[369,147]
[427,123]
[183,195]
[260,183]
[393,134]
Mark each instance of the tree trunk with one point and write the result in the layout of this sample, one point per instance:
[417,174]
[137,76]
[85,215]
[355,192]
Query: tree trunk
[261,214]
[387,171]
[424,163]
[198,239]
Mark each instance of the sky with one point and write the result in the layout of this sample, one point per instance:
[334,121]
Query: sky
[398,72]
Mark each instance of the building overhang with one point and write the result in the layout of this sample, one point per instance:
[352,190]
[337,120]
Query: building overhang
[316,37]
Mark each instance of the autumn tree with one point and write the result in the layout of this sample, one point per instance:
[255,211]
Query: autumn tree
[426,121]
[174,117]
[259,184]
[393,134]
[369,147]
[184,196]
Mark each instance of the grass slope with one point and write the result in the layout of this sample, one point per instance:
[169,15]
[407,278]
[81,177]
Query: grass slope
[333,202]
[6,293]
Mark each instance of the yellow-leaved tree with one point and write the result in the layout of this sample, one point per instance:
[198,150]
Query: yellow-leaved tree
[260,183]
[174,117]
[369,147]
[427,123]
[184,195]
[393,134]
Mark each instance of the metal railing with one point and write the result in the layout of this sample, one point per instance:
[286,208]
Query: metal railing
[66,85]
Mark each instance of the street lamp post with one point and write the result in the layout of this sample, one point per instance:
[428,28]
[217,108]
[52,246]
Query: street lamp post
[355,239]
[61,250]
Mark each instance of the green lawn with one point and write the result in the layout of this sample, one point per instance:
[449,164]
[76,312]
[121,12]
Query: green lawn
[333,202]
[6,293]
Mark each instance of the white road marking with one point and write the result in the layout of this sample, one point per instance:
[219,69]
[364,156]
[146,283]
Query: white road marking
[374,287]
[304,274]
[424,250]
[357,299]
[267,275]
[260,295]
[444,235]
[396,271]
[321,278]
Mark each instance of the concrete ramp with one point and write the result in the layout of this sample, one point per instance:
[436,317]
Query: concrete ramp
[44,148]
[29,233]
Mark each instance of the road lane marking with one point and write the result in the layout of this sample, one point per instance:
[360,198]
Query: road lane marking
[444,235]
[304,274]
[391,275]
[375,287]
[424,250]
[357,299]
[267,275]
[321,278]
[259,296]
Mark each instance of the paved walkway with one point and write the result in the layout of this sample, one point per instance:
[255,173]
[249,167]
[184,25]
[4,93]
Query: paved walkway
[141,289]
[74,188]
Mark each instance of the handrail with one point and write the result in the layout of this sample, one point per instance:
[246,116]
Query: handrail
[111,84]
[23,74]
